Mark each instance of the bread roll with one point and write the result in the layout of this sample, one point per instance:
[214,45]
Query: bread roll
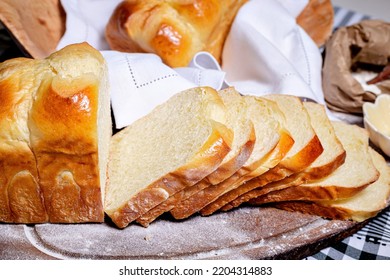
[175,30]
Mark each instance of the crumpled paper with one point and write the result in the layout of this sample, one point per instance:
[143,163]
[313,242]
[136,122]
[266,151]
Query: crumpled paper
[360,48]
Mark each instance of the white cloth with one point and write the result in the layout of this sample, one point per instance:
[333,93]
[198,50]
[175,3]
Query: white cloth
[265,52]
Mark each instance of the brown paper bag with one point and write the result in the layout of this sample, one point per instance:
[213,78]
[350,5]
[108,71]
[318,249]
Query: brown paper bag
[365,45]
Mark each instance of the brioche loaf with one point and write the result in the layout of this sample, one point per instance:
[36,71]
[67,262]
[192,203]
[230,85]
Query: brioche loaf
[268,131]
[54,142]
[364,205]
[305,150]
[357,172]
[21,198]
[331,158]
[242,147]
[175,30]
[175,146]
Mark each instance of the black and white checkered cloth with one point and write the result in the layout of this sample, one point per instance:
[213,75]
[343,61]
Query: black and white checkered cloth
[372,242]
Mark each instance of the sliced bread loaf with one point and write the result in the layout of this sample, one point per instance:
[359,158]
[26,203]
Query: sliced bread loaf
[331,158]
[363,205]
[176,145]
[305,150]
[357,172]
[241,149]
[265,116]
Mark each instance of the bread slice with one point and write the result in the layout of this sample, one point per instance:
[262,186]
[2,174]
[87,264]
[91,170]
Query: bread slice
[363,205]
[56,127]
[330,159]
[307,147]
[175,146]
[357,172]
[241,149]
[265,116]
[21,199]
[70,130]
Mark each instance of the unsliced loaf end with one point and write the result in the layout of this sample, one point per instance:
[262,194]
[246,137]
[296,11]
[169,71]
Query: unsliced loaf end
[61,127]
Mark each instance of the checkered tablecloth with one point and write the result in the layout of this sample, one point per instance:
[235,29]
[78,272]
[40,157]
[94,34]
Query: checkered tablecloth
[372,241]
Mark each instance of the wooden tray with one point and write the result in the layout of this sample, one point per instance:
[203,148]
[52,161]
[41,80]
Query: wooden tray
[244,233]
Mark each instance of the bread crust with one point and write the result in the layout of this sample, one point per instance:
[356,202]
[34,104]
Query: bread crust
[21,198]
[203,163]
[174,30]
[223,171]
[272,159]
[265,192]
[49,156]
[279,168]
[312,208]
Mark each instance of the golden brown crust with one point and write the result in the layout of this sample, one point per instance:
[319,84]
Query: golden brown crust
[203,163]
[273,158]
[222,172]
[285,168]
[229,168]
[20,194]
[308,193]
[263,188]
[317,20]
[326,211]
[174,30]
[49,151]
[314,209]
[303,158]
[63,125]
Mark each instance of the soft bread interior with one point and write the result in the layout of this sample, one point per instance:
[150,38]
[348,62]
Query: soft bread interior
[162,142]
[241,148]
[373,198]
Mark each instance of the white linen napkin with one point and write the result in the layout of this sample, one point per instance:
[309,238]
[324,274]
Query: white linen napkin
[265,52]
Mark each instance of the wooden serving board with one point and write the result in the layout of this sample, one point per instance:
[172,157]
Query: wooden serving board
[244,233]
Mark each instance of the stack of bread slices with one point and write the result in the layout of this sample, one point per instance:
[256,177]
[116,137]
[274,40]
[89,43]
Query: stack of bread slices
[200,152]
[205,151]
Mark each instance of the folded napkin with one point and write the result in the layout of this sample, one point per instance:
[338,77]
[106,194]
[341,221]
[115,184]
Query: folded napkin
[265,52]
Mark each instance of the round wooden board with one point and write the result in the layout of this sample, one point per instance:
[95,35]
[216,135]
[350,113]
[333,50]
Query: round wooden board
[244,233]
